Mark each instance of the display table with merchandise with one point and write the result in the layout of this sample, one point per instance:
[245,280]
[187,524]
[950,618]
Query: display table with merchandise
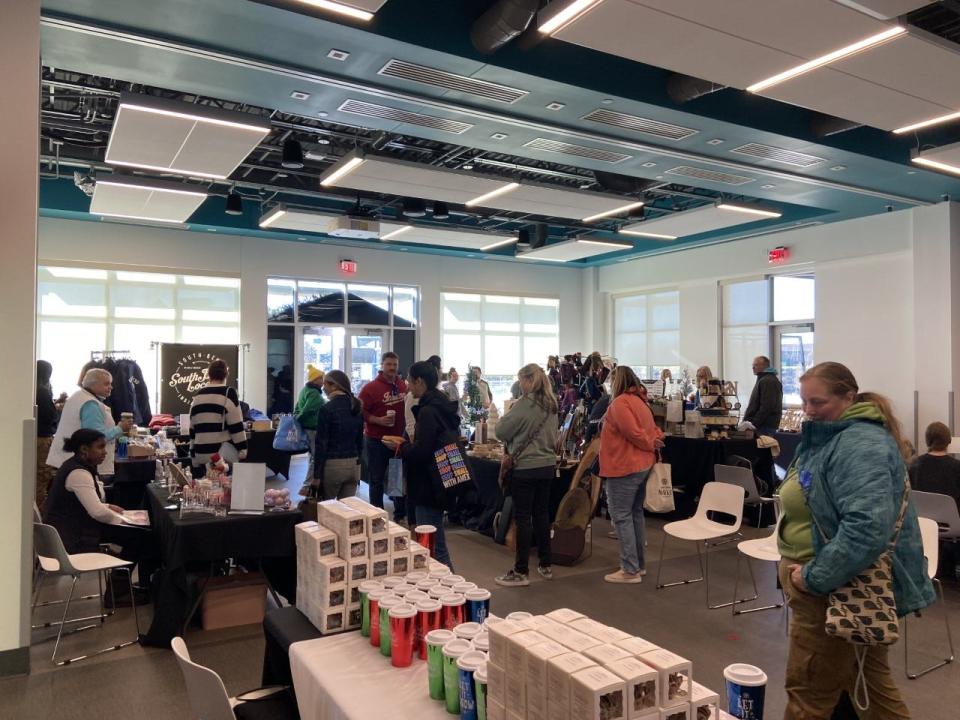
[260,450]
[342,678]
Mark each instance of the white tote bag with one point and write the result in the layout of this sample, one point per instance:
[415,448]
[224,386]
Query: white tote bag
[659,494]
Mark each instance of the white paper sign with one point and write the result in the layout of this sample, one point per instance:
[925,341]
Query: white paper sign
[184,423]
[249,483]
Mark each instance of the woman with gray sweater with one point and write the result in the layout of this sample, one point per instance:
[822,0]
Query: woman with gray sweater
[529,434]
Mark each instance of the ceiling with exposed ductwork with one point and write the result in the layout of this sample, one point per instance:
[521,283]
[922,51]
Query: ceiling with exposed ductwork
[626,119]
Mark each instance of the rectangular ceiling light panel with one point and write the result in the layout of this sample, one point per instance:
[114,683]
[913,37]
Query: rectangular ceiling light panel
[407,117]
[450,81]
[134,198]
[700,220]
[573,250]
[182,138]
[285,218]
[460,239]
[944,159]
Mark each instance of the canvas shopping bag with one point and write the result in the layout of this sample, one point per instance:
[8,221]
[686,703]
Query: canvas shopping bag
[659,495]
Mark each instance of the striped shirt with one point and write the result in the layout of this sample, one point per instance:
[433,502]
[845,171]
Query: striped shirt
[215,418]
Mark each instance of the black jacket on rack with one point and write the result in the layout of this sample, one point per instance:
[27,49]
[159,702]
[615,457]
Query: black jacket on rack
[130,393]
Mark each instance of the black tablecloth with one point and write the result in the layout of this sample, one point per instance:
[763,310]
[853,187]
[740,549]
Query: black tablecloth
[281,628]
[130,480]
[197,540]
[692,460]
[260,450]
[789,442]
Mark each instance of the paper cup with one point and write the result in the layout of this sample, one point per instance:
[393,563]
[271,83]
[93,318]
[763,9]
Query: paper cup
[463,587]
[415,596]
[438,592]
[481,641]
[403,620]
[746,688]
[365,588]
[451,673]
[454,610]
[467,665]
[434,641]
[427,583]
[440,572]
[373,600]
[386,605]
[467,630]
[451,580]
[478,604]
[412,578]
[429,618]
[480,685]
[426,536]
[391,582]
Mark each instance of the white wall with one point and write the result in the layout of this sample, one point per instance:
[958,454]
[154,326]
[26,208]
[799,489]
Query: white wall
[256,259]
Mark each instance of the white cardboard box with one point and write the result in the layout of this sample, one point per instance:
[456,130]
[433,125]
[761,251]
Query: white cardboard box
[642,691]
[399,537]
[496,683]
[357,571]
[314,541]
[354,617]
[565,615]
[335,599]
[379,547]
[495,710]
[499,634]
[681,712]
[380,567]
[537,622]
[606,654]
[536,666]
[597,694]
[354,548]
[588,626]
[517,645]
[676,673]
[610,635]
[577,641]
[399,563]
[419,556]
[342,519]
[637,646]
[704,702]
[331,621]
[559,671]
[376,518]
[331,572]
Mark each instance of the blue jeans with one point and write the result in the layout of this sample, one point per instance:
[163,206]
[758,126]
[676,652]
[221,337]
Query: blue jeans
[434,516]
[377,456]
[625,497]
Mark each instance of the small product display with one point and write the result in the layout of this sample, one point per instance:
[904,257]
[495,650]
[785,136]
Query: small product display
[467,665]
[560,670]
[419,557]
[641,683]
[746,689]
[675,676]
[402,634]
[425,535]
[536,675]
[435,642]
[454,610]
[478,604]
[399,537]
[704,702]
[564,615]
[452,652]
[606,654]
[636,646]
[597,694]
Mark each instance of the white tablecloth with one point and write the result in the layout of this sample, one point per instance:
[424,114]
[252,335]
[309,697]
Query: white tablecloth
[343,677]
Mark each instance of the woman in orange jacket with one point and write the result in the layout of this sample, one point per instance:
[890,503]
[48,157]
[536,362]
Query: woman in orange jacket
[628,444]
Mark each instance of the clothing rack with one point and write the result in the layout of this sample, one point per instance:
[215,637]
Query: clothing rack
[104,354]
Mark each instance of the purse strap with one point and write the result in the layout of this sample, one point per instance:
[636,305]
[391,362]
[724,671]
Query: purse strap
[530,438]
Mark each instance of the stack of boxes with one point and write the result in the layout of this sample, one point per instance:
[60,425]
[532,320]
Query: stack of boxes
[351,542]
[564,666]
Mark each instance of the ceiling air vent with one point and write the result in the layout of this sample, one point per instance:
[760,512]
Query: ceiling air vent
[356,107]
[711,175]
[583,151]
[449,81]
[640,124]
[780,155]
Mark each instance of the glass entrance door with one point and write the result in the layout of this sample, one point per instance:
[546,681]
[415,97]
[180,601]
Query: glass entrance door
[793,349]
[325,347]
[355,351]
[366,347]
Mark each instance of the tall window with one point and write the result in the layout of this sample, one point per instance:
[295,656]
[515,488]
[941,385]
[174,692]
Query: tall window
[646,331]
[772,316]
[498,333]
[85,310]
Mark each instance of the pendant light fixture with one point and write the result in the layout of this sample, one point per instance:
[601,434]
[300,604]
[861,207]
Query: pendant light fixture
[292,155]
[234,203]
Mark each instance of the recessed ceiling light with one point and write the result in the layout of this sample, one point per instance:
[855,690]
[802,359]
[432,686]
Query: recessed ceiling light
[936,165]
[615,211]
[911,172]
[557,15]
[342,171]
[398,231]
[748,210]
[498,136]
[649,164]
[586,186]
[843,52]
[607,101]
[927,123]
[297,95]
[716,141]
[509,187]
[340,8]
[767,187]
[837,168]
[339,55]
[322,113]
[467,166]
[499,244]
[211,229]
[556,106]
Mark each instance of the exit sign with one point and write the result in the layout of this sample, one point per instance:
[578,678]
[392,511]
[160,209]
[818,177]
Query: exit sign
[348,266]
[778,255]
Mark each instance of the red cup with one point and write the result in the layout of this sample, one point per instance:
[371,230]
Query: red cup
[454,610]
[373,598]
[429,617]
[403,621]
[425,535]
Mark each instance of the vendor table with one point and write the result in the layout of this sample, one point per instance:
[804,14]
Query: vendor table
[692,459]
[282,628]
[130,480]
[200,540]
[260,450]
[343,678]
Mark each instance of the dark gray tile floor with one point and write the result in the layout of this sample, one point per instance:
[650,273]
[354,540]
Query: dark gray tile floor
[145,682]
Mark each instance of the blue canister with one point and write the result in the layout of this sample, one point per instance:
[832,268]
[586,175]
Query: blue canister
[466,666]
[478,605]
[746,688]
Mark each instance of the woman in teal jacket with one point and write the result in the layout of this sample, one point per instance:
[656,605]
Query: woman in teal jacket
[847,482]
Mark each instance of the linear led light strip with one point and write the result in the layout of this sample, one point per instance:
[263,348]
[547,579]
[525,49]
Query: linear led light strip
[502,190]
[342,172]
[273,217]
[116,183]
[337,7]
[499,244]
[937,165]
[615,211]
[399,231]
[139,217]
[748,210]
[655,236]
[605,243]
[843,52]
[573,11]
[927,123]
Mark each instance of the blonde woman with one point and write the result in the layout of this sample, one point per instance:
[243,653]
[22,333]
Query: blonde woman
[529,434]
[628,443]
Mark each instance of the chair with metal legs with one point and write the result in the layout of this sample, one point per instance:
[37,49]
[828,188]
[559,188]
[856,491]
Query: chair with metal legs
[929,533]
[718,498]
[764,549]
[55,561]
[744,477]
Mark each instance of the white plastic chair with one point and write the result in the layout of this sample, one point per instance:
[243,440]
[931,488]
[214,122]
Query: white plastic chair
[929,533]
[766,550]
[743,476]
[942,509]
[715,497]
[54,560]
[208,695]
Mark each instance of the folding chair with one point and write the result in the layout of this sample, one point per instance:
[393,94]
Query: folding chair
[743,477]
[929,533]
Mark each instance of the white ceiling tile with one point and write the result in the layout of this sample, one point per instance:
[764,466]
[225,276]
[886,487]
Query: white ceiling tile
[444,238]
[693,222]
[946,154]
[148,200]
[884,8]
[572,250]
[146,138]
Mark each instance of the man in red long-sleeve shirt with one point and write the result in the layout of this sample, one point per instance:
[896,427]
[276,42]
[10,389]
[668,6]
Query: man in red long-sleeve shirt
[382,400]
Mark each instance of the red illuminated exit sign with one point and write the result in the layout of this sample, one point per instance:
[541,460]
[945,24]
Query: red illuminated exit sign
[348,266]
[778,255]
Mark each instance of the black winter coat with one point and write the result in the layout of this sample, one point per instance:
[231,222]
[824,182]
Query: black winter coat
[766,402]
[437,424]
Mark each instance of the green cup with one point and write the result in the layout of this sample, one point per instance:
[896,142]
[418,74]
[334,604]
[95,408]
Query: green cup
[435,640]
[385,605]
[451,673]
[365,588]
[480,683]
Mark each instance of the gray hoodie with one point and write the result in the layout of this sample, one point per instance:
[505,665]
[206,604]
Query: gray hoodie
[525,417]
